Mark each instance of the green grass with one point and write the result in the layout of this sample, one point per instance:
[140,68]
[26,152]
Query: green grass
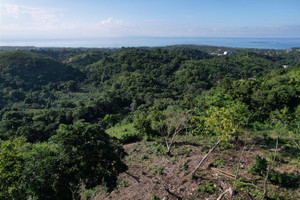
[218,163]
[119,130]
[159,171]
[154,197]
[126,133]
[207,188]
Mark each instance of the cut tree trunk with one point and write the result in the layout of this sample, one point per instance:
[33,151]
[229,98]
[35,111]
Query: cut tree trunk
[205,157]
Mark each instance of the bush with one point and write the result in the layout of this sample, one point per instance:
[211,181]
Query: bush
[260,166]
[144,126]
[93,156]
[130,138]
[112,119]
[158,149]
[285,180]
[207,188]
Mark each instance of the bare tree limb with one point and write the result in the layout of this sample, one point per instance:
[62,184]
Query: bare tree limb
[231,176]
[205,157]
[178,128]
[269,168]
[253,145]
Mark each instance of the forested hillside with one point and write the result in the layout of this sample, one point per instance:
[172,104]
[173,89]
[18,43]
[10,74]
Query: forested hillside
[24,70]
[134,123]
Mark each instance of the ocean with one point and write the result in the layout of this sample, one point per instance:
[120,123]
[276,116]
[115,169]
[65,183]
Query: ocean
[116,42]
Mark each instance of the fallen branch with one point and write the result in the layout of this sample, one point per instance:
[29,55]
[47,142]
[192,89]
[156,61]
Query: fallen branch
[173,194]
[134,177]
[226,191]
[269,168]
[227,176]
[205,157]
[231,176]
[223,172]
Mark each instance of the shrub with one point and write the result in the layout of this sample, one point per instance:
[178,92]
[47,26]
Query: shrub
[112,119]
[159,171]
[207,188]
[130,138]
[218,163]
[283,179]
[260,166]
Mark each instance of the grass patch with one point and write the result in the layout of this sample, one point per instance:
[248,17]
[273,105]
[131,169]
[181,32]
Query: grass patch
[218,163]
[144,157]
[154,197]
[90,193]
[156,148]
[207,188]
[125,133]
[159,171]
[124,184]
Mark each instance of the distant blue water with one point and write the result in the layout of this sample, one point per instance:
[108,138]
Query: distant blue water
[260,43]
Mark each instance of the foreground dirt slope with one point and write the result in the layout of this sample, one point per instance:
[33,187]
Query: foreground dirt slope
[153,175]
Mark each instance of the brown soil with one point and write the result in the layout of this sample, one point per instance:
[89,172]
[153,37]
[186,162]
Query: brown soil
[152,174]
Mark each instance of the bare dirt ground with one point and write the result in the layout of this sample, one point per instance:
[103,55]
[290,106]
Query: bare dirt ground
[153,175]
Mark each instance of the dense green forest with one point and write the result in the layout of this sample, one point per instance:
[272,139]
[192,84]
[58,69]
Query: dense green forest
[67,117]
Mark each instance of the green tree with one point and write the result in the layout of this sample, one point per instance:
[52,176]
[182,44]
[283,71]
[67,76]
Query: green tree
[80,154]
[112,119]
[223,122]
[92,156]
[170,123]
[46,174]
[72,85]
[11,168]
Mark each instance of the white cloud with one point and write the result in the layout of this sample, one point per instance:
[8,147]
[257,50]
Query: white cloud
[22,22]
[111,21]
[107,21]
[22,15]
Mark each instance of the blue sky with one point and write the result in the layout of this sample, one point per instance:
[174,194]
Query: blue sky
[59,19]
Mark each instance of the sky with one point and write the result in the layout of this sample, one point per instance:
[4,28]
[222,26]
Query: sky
[61,19]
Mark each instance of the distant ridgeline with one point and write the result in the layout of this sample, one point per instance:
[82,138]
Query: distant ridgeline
[90,90]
